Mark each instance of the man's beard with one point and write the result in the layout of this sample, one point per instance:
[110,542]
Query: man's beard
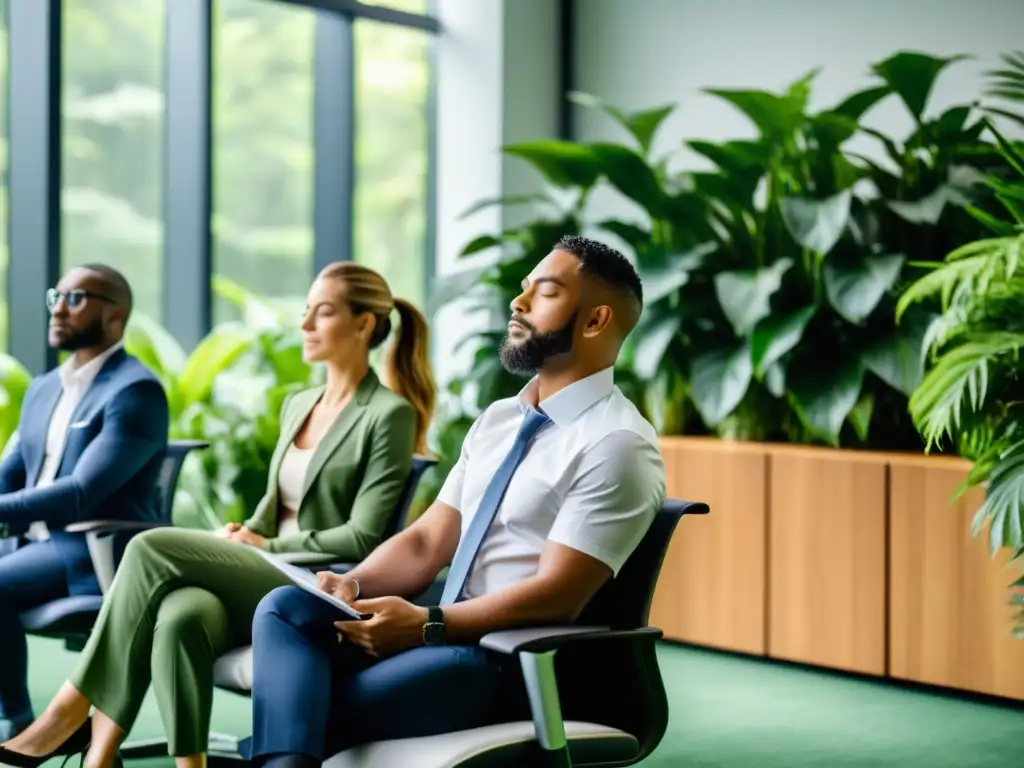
[90,336]
[529,355]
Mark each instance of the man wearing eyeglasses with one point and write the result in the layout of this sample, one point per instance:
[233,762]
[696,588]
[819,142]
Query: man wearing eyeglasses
[90,442]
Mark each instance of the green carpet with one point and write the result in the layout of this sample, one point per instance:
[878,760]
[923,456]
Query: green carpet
[729,712]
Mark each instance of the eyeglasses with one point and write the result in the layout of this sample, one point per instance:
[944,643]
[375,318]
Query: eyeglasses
[73,299]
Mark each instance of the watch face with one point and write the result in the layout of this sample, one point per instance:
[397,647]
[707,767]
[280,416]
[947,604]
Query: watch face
[433,634]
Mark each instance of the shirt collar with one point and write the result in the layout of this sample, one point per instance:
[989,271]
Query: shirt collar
[82,376]
[569,402]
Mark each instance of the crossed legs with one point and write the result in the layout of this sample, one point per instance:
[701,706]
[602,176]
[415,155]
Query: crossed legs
[305,681]
[179,599]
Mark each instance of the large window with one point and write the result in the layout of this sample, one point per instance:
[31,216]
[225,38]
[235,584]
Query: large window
[112,110]
[299,133]
[262,147]
[390,211]
[4,186]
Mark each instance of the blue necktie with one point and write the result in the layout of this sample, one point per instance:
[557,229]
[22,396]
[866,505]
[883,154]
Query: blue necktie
[462,563]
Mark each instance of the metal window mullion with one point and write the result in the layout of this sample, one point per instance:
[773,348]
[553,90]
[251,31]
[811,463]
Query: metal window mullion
[334,139]
[188,178]
[34,124]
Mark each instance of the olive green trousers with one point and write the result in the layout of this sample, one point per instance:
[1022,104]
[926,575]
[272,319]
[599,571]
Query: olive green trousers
[180,599]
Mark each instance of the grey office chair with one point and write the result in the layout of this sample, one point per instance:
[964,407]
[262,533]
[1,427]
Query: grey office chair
[232,671]
[71,618]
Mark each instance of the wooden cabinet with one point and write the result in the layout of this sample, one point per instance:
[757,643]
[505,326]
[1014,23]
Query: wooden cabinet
[949,619]
[826,558]
[712,586]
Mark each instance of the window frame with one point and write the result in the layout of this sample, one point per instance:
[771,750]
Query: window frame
[34,31]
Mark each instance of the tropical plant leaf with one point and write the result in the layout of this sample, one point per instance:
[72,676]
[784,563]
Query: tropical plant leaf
[860,416]
[855,288]
[776,335]
[563,163]
[745,295]
[824,391]
[959,381]
[912,75]
[1003,508]
[149,341]
[817,224]
[652,343]
[642,125]
[896,357]
[773,114]
[505,201]
[719,380]
[631,175]
[221,348]
[855,105]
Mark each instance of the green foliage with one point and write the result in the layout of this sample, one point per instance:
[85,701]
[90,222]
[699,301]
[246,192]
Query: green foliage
[770,280]
[970,396]
[229,392]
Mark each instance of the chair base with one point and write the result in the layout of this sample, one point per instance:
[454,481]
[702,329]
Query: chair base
[494,746]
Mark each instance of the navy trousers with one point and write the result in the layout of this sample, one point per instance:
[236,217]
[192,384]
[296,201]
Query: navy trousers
[306,685]
[31,575]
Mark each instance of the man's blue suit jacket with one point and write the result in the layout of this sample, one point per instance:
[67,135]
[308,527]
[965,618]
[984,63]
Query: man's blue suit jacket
[115,445]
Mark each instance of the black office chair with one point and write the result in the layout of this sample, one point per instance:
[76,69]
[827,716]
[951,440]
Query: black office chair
[601,703]
[233,670]
[71,618]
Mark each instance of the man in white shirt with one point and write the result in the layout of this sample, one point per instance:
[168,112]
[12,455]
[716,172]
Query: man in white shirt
[551,494]
[90,442]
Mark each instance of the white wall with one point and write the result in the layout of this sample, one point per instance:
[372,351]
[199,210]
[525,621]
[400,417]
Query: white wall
[497,84]
[642,53]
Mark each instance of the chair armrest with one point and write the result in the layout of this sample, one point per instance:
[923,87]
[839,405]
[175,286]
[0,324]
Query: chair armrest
[536,648]
[100,540]
[544,639]
[113,526]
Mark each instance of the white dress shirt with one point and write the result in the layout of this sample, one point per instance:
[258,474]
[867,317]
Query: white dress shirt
[75,382]
[592,479]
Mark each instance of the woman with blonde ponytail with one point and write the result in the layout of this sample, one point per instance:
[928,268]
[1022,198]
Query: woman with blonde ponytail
[181,598]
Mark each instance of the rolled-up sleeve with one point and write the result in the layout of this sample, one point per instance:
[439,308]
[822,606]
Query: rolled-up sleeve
[617,491]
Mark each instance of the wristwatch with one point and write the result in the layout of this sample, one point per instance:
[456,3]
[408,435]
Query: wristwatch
[433,630]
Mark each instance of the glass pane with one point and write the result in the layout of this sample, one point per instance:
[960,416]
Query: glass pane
[392,75]
[262,148]
[4,230]
[409,6]
[112,110]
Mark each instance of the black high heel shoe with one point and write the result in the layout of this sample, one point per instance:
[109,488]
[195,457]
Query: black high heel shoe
[76,744]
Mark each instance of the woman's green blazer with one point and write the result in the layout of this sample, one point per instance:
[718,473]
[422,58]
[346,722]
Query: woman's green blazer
[355,476]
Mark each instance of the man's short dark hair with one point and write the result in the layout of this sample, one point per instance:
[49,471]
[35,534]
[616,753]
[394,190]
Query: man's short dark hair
[118,283]
[606,263]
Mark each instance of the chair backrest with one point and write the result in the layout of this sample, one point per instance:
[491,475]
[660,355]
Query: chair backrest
[167,482]
[636,701]
[625,601]
[420,464]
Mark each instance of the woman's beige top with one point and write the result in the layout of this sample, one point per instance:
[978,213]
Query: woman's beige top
[290,479]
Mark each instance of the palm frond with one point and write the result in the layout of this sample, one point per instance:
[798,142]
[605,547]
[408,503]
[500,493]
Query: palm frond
[1003,509]
[959,384]
[1008,82]
[974,264]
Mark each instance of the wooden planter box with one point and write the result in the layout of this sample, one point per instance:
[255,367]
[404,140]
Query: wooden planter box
[844,559]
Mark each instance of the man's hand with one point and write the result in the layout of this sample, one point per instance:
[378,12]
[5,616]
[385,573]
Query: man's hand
[337,584]
[244,536]
[396,626]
